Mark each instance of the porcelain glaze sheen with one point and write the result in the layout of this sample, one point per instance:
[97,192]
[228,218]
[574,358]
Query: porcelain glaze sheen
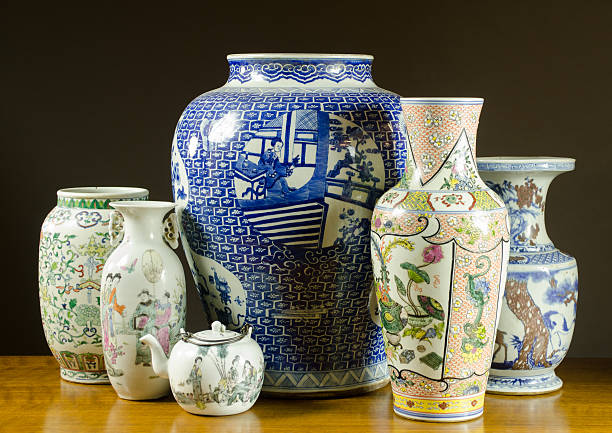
[210,375]
[440,252]
[276,175]
[143,292]
[74,245]
[539,307]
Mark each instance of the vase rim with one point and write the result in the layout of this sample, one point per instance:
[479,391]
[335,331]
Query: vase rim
[525,163]
[143,204]
[441,100]
[298,56]
[103,192]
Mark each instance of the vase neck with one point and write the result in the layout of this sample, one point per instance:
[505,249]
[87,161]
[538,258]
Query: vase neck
[297,70]
[524,190]
[143,222]
[442,143]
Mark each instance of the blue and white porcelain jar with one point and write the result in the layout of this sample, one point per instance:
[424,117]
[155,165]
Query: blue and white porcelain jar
[277,173]
[539,307]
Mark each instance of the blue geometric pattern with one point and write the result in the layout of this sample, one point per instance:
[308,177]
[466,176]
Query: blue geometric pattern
[547,258]
[524,383]
[326,379]
[301,71]
[309,306]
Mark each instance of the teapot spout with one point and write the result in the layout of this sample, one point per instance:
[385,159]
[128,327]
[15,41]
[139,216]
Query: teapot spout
[160,361]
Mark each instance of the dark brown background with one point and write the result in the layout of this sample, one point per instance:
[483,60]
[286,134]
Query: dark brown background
[91,97]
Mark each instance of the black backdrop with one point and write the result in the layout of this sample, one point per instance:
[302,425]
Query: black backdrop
[91,96]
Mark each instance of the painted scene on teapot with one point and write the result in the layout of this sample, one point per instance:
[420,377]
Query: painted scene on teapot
[237,380]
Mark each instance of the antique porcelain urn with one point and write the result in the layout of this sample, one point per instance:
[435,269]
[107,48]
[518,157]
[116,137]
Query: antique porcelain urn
[74,245]
[539,309]
[213,372]
[440,251]
[275,175]
[143,292]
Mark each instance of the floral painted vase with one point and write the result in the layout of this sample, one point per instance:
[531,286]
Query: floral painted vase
[143,292]
[276,175]
[539,308]
[440,252]
[74,245]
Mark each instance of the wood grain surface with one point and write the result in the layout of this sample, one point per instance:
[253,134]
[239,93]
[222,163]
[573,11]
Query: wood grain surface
[34,398]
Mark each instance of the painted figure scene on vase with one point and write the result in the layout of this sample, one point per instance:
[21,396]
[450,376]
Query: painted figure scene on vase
[539,308]
[440,250]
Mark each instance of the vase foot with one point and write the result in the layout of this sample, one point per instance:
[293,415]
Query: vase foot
[524,385]
[140,397]
[85,377]
[438,409]
[325,393]
[323,384]
[437,418]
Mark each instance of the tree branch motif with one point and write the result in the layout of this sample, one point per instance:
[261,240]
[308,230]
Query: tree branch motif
[355,159]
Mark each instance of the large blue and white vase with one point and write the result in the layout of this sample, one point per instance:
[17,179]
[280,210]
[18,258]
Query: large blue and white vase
[277,173]
[539,307]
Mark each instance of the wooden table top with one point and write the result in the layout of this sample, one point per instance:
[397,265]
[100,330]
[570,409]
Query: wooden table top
[34,398]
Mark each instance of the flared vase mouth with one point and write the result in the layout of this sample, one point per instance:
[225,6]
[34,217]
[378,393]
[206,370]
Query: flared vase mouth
[525,163]
[103,193]
[299,56]
[435,100]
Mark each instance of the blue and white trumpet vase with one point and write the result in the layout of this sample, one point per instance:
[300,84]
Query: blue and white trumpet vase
[539,306]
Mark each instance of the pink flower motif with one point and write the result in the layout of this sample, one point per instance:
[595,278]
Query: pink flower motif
[433,254]
[377,223]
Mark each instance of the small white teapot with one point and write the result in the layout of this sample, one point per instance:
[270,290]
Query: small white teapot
[214,372]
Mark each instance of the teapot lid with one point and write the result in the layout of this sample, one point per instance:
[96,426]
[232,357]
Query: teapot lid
[216,336]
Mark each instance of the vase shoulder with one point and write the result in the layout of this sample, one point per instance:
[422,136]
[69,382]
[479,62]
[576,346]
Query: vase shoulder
[405,199]
[270,90]
[552,258]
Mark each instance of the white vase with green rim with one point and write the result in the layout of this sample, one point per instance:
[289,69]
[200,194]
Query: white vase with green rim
[74,245]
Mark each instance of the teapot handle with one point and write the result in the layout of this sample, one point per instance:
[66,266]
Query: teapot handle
[188,337]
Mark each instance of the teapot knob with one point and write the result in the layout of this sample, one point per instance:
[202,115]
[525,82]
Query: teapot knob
[218,327]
